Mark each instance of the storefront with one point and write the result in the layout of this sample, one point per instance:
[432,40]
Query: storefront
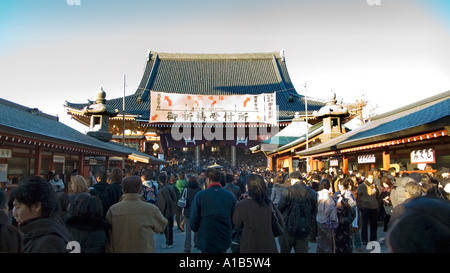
[411,137]
[34,143]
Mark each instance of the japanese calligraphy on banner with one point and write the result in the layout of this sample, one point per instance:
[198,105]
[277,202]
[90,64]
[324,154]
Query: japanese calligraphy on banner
[423,156]
[366,158]
[173,107]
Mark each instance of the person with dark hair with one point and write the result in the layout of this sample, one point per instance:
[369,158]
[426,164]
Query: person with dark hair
[101,185]
[385,196]
[11,240]
[327,219]
[211,214]
[346,211]
[113,191]
[367,199]
[422,227]
[278,188]
[133,221]
[87,225]
[231,187]
[37,211]
[193,187]
[254,216]
[167,204]
[64,203]
[298,206]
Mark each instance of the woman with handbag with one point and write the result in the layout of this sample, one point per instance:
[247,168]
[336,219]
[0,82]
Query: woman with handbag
[254,216]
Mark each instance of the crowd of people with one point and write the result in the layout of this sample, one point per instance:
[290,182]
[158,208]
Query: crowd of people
[224,209]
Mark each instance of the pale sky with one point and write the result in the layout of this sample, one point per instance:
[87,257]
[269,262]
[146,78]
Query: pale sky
[394,53]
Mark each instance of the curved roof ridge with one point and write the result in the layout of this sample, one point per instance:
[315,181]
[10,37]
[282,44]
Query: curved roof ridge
[215,56]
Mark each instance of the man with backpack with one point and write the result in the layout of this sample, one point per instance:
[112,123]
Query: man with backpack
[298,205]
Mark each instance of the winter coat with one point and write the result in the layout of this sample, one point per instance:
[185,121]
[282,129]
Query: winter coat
[90,232]
[256,224]
[45,235]
[181,184]
[167,200]
[112,195]
[398,193]
[99,188]
[133,222]
[192,189]
[10,237]
[326,208]
[368,195]
[235,190]
[294,194]
[277,192]
[210,216]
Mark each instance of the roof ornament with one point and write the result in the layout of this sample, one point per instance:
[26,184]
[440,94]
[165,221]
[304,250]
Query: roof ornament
[282,53]
[331,108]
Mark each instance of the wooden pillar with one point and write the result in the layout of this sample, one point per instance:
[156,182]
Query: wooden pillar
[81,165]
[107,163]
[345,164]
[386,160]
[270,163]
[37,161]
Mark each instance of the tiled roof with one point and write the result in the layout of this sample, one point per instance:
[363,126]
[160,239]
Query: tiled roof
[291,141]
[214,74]
[420,117]
[31,123]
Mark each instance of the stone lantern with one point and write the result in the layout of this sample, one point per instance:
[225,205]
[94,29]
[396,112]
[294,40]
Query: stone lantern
[332,114]
[100,113]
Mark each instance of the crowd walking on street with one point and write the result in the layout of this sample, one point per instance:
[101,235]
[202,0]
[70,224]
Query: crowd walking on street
[220,210]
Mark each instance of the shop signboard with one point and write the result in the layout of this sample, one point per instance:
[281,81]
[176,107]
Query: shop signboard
[5,153]
[423,156]
[369,158]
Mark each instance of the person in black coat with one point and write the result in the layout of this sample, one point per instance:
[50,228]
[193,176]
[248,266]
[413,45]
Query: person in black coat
[87,225]
[167,204]
[100,187]
[193,187]
[37,212]
[211,215]
[113,192]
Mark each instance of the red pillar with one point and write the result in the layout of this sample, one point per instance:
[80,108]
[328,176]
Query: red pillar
[345,164]
[386,160]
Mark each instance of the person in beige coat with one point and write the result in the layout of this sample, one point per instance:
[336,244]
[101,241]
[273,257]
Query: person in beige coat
[133,221]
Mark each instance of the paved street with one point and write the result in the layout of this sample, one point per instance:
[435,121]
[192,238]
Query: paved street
[178,246]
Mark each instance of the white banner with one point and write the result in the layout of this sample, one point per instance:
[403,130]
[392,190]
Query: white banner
[173,107]
[366,158]
[423,156]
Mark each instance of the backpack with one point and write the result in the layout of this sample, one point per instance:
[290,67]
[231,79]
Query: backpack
[298,225]
[150,191]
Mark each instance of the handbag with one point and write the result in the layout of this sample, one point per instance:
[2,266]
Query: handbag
[277,227]
[182,202]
